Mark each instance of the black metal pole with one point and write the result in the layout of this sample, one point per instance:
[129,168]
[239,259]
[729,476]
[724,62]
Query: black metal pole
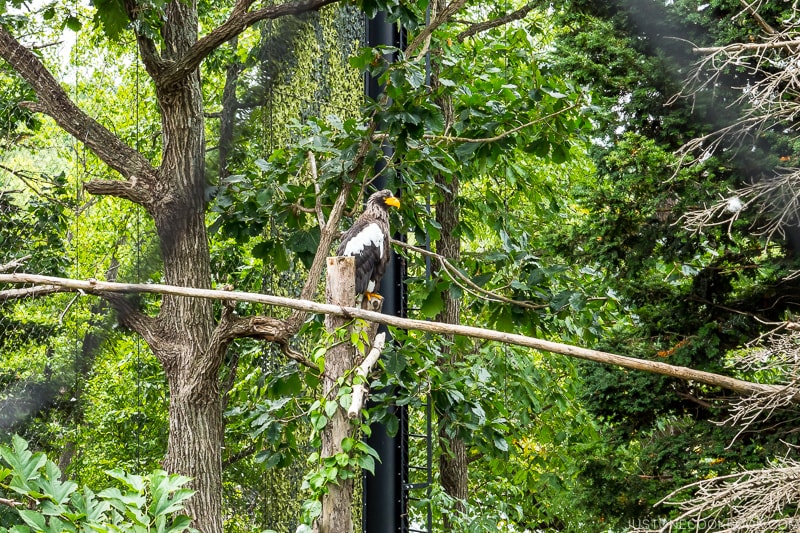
[383,497]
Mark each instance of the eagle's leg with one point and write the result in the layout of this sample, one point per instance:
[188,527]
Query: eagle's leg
[372,301]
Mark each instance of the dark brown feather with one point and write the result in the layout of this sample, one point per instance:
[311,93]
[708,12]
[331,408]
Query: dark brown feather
[369,244]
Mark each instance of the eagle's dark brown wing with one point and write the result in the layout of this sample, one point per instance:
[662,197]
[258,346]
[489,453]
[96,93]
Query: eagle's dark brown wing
[368,242]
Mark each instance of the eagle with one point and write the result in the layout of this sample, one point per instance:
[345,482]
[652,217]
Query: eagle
[368,241]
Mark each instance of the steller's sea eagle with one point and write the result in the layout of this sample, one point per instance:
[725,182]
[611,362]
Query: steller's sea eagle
[368,241]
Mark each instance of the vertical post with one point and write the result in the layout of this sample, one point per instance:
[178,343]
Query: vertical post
[337,514]
[384,505]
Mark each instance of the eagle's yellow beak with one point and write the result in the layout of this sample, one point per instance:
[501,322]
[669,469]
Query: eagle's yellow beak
[392,201]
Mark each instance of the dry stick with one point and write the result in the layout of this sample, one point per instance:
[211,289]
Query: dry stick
[9,503]
[16,263]
[361,388]
[655,367]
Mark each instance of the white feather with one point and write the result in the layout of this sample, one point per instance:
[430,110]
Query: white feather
[371,235]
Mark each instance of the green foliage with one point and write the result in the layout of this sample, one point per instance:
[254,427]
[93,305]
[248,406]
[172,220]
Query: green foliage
[141,504]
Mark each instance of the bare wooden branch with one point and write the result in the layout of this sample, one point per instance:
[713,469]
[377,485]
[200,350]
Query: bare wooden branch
[479,27]
[56,103]
[361,388]
[30,292]
[9,503]
[15,264]
[327,235]
[240,19]
[655,367]
[753,501]
[443,16]
[752,9]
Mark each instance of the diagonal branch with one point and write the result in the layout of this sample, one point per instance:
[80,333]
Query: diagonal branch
[468,285]
[54,102]
[451,9]
[656,367]
[240,19]
[479,27]
[147,48]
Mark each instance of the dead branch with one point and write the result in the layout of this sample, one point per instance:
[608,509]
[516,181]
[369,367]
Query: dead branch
[779,357]
[9,503]
[747,502]
[752,9]
[30,292]
[773,201]
[656,367]
[15,264]
[361,388]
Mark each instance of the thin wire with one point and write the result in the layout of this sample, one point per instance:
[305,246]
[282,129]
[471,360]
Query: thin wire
[76,240]
[139,415]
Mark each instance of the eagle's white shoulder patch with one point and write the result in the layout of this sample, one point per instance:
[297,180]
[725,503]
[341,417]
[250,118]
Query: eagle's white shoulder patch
[371,235]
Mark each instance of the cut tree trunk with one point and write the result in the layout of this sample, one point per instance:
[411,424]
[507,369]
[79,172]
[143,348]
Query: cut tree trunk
[337,514]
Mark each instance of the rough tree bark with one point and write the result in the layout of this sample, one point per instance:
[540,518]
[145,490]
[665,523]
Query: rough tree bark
[337,514]
[184,335]
[453,471]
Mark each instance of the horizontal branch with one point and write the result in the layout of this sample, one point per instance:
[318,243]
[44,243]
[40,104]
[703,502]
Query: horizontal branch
[791,45]
[29,292]
[655,367]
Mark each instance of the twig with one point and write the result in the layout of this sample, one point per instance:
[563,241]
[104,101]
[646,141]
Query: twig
[748,7]
[498,137]
[12,265]
[361,388]
[471,286]
[9,503]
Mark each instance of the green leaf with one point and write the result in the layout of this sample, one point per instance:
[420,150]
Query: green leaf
[73,23]
[501,444]
[433,304]
[366,462]
[111,16]
[467,150]
[33,519]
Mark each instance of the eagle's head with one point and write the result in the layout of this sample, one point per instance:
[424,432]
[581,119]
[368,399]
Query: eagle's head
[383,199]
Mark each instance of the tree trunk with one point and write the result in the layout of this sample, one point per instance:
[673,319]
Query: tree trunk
[337,514]
[196,431]
[452,453]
